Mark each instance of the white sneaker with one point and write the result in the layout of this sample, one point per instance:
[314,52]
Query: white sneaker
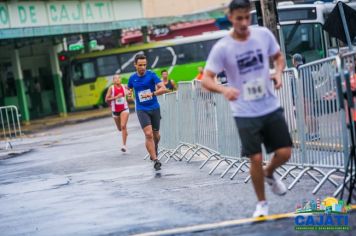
[123,149]
[261,209]
[277,186]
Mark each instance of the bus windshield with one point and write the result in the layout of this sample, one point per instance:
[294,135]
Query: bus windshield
[306,39]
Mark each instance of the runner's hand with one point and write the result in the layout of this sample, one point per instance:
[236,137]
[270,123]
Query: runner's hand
[230,94]
[147,95]
[119,96]
[277,80]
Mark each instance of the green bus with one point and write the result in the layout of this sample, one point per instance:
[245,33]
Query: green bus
[91,73]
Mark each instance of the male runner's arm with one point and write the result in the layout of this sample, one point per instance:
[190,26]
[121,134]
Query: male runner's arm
[161,89]
[209,83]
[130,87]
[279,65]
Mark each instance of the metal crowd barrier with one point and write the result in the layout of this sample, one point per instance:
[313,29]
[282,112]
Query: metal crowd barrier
[205,126]
[186,117]
[348,63]
[10,124]
[323,136]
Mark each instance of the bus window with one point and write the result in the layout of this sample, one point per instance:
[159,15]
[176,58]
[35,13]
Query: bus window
[77,73]
[160,57]
[127,62]
[193,52]
[82,71]
[88,70]
[305,39]
[208,46]
[107,65]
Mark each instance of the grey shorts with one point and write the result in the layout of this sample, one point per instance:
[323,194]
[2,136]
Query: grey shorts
[152,117]
[270,130]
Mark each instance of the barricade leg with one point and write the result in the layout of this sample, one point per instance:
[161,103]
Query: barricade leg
[162,153]
[305,171]
[289,172]
[244,163]
[300,175]
[286,171]
[338,190]
[196,153]
[247,179]
[208,159]
[324,179]
[147,155]
[228,168]
[217,165]
[175,151]
[172,155]
[186,152]
[278,172]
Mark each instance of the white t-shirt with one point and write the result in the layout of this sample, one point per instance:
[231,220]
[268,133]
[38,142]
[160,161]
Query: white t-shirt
[246,64]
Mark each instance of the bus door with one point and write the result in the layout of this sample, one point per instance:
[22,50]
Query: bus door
[83,74]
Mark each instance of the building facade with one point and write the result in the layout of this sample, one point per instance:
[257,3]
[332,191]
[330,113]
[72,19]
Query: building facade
[161,8]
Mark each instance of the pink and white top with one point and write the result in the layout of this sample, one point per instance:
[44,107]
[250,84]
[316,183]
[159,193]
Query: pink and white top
[120,103]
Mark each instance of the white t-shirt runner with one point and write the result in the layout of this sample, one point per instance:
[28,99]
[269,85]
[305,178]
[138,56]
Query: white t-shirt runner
[246,64]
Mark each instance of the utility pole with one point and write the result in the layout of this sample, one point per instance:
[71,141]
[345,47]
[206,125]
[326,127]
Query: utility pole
[270,15]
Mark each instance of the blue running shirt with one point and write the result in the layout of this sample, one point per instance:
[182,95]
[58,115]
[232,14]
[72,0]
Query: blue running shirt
[142,85]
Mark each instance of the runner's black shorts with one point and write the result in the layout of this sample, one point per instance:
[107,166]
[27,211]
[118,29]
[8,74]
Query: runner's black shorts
[118,113]
[270,130]
[152,117]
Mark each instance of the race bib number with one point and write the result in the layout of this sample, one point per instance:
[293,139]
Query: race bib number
[254,90]
[142,93]
[120,101]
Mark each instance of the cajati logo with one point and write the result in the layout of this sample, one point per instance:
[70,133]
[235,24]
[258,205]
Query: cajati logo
[329,214]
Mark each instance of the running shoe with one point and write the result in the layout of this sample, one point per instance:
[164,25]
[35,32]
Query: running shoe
[123,149]
[157,164]
[261,209]
[277,186]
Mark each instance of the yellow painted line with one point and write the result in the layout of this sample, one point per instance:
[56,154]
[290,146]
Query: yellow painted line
[223,224]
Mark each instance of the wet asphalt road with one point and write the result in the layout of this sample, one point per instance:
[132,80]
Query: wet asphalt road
[76,181]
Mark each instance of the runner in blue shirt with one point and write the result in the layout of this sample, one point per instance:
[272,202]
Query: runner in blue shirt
[147,86]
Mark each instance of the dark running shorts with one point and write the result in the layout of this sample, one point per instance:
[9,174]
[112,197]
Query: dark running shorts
[270,129]
[152,117]
[117,113]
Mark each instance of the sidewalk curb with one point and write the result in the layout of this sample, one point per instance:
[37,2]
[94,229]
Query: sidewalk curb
[14,153]
[45,126]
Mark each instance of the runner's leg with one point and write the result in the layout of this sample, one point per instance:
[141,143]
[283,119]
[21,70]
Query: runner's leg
[150,144]
[117,122]
[280,157]
[156,137]
[156,121]
[124,116]
[257,176]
